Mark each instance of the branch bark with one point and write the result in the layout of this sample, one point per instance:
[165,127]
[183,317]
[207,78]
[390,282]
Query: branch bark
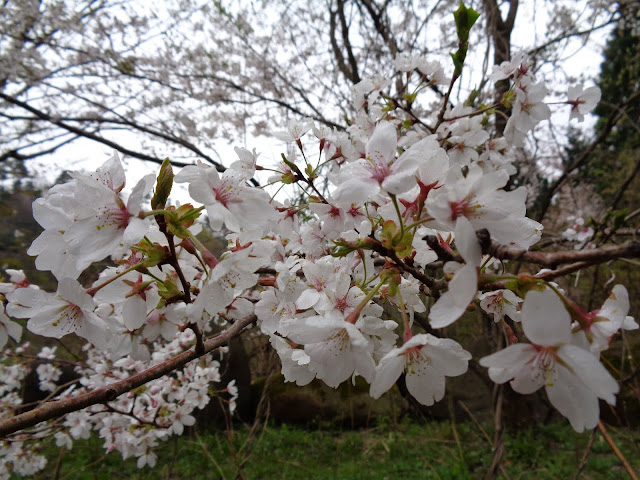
[500,30]
[555,259]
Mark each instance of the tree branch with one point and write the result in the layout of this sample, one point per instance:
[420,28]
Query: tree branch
[353,65]
[82,133]
[109,393]
[555,259]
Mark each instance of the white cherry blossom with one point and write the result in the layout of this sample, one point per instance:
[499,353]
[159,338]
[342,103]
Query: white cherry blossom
[573,378]
[500,303]
[426,360]
[337,348]
[228,200]
[598,327]
[582,101]
[480,198]
[380,171]
[70,310]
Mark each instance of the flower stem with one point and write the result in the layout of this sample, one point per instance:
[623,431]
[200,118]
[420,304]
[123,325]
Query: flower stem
[355,314]
[397,207]
[93,290]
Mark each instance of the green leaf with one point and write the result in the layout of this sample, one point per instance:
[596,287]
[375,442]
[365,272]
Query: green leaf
[464,18]
[153,251]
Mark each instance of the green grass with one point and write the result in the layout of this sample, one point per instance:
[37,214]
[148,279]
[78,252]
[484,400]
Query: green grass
[406,451]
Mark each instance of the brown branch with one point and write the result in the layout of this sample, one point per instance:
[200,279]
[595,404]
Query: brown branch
[379,23]
[555,259]
[21,157]
[353,64]
[547,275]
[122,120]
[109,393]
[82,133]
[432,283]
[566,35]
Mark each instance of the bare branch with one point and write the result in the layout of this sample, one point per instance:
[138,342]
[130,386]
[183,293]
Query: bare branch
[554,259]
[83,133]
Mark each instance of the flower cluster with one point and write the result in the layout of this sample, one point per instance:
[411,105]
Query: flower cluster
[405,198]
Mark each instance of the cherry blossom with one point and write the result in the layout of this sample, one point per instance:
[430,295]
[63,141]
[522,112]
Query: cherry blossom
[573,378]
[337,348]
[379,171]
[70,310]
[332,274]
[426,360]
[227,199]
[595,330]
[527,112]
[464,284]
[582,101]
[500,303]
[479,197]
[295,362]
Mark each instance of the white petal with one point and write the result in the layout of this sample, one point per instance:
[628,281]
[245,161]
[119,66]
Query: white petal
[545,320]
[616,307]
[504,364]
[529,378]
[585,366]
[573,400]
[425,382]
[143,187]
[308,299]
[467,242]
[134,232]
[364,365]
[387,372]
[333,363]
[381,147]
[449,356]
[454,302]
[313,329]
[70,290]
[13,329]
[134,312]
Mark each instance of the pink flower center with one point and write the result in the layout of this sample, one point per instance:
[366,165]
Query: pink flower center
[338,342]
[334,212]
[412,356]
[71,316]
[117,217]
[225,193]
[379,171]
[354,211]
[463,208]
[544,363]
[342,304]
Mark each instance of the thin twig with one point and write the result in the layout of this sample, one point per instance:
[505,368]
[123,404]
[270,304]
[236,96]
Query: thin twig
[587,453]
[616,450]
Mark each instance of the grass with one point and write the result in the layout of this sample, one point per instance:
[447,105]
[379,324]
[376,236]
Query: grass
[406,451]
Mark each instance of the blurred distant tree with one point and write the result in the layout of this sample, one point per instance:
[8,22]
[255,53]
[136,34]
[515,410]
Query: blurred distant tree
[171,79]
